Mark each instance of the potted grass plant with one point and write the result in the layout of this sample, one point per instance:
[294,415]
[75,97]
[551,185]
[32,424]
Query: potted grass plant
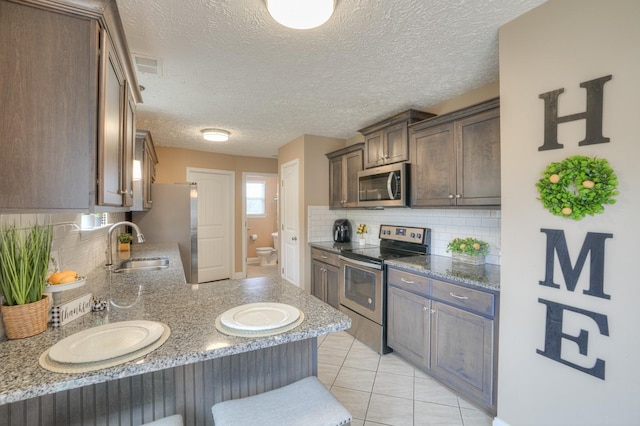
[24,258]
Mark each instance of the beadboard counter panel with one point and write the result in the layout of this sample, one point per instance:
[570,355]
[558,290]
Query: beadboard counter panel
[189,310]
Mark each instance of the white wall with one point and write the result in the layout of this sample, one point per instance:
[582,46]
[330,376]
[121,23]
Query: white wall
[559,45]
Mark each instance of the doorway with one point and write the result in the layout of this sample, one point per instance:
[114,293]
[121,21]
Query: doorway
[260,215]
[215,222]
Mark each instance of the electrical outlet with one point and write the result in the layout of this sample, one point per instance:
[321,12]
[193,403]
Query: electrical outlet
[54,261]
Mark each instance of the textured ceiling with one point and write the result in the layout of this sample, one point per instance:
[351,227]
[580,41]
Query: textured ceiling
[227,64]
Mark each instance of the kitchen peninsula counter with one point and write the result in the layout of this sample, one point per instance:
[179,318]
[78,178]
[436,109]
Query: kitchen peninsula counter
[189,311]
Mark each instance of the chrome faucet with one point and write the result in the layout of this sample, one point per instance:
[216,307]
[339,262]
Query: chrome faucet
[109,238]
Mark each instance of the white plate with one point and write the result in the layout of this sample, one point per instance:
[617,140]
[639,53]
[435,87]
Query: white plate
[106,342]
[260,316]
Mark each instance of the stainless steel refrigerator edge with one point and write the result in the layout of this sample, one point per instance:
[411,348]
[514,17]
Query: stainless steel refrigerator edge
[174,219]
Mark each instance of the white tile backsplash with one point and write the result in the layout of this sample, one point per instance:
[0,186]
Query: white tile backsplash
[445,225]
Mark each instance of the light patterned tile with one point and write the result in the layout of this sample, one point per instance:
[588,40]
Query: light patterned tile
[429,390]
[428,414]
[393,385]
[475,418]
[327,373]
[356,379]
[389,410]
[393,364]
[364,360]
[340,341]
[466,404]
[356,402]
[333,356]
[357,422]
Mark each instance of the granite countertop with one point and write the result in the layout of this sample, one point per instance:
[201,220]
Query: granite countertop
[485,276]
[334,247]
[188,309]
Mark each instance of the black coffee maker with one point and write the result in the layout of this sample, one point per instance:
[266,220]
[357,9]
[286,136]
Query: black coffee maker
[341,231]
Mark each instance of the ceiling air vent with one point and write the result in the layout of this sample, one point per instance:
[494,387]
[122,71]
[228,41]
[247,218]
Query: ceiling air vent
[147,64]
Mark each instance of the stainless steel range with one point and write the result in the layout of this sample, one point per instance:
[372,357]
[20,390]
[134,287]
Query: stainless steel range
[363,289]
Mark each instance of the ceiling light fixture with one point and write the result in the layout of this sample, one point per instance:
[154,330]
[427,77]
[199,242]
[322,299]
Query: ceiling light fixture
[301,15]
[215,135]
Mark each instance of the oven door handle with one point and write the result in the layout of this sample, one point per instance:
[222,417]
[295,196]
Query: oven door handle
[360,263]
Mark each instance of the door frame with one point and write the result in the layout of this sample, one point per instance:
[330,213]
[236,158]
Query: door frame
[244,214]
[231,204]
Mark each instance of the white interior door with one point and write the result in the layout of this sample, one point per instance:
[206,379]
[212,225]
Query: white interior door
[215,222]
[290,229]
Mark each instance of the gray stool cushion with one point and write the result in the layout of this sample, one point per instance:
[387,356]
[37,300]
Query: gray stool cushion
[175,420]
[305,402]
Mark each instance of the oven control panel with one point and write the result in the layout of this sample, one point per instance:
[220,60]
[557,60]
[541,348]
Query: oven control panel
[406,234]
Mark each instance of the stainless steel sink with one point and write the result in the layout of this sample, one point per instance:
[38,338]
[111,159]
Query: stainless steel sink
[142,264]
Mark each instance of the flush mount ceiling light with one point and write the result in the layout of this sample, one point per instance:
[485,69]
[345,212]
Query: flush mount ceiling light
[215,135]
[301,15]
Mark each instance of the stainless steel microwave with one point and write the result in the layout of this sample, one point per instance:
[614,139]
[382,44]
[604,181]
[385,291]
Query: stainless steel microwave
[385,186]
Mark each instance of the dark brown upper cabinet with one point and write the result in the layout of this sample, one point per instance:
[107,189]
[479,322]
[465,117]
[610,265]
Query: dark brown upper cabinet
[69,95]
[386,142]
[344,166]
[455,158]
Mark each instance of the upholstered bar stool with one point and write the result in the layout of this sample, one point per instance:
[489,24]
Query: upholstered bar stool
[306,402]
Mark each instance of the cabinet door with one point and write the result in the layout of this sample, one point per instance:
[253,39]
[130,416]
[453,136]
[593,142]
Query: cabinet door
[335,182]
[396,145]
[433,176]
[110,125]
[128,149]
[48,69]
[477,140]
[462,351]
[408,317]
[318,280]
[352,165]
[332,282]
[374,149]
[148,176]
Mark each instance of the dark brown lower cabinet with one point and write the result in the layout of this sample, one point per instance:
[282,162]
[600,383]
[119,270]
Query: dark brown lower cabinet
[324,276]
[447,330]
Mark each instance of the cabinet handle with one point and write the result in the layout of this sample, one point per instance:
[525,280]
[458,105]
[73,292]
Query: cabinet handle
[324,257]
[125,192]
[294,238]
[451,196]
[458,196]
[424,308]
[407,281]
[458,297]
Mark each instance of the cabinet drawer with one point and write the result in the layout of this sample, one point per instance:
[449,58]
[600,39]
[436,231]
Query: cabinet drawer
[325,256]
[464,297]
[408,281]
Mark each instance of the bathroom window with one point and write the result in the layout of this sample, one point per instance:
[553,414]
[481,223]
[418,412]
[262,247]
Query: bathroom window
[256,198]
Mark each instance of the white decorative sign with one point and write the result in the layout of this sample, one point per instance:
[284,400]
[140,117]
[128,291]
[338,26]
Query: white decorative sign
[67,312]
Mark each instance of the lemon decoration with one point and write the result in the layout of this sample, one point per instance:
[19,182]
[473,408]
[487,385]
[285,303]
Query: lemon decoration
[577,186]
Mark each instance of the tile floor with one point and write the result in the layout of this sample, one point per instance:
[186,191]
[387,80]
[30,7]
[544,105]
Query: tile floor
[254,271]
[386,390]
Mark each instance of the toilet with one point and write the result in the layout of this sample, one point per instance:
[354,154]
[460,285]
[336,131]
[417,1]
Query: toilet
[269,255]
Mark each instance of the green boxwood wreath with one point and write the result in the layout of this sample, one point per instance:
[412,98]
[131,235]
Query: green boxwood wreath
[577,186]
